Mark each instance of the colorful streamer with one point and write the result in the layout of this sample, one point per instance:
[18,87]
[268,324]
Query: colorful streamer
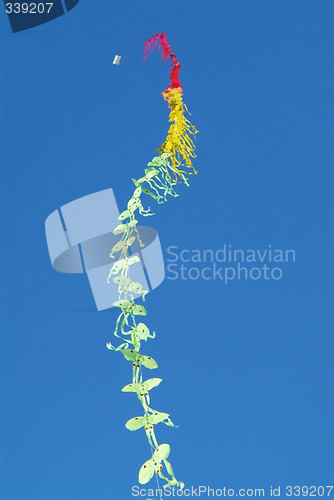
[159,180]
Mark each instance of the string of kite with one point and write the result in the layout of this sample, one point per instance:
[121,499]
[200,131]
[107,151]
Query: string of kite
[163,172]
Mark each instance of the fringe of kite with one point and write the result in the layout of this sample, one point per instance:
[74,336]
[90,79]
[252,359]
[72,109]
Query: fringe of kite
[178,142]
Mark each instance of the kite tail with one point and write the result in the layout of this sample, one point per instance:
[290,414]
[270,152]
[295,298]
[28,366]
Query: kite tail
[175,158]
[178,142]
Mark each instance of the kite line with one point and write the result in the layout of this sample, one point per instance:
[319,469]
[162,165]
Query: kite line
[164,171]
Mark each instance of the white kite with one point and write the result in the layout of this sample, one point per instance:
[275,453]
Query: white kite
[117,60]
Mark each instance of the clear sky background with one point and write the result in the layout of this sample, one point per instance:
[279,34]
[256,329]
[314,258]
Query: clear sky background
[247,366]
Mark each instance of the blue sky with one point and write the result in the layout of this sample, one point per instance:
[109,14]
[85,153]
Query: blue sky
[247,366]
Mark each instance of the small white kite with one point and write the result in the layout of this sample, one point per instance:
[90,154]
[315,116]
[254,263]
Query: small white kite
[117,60]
